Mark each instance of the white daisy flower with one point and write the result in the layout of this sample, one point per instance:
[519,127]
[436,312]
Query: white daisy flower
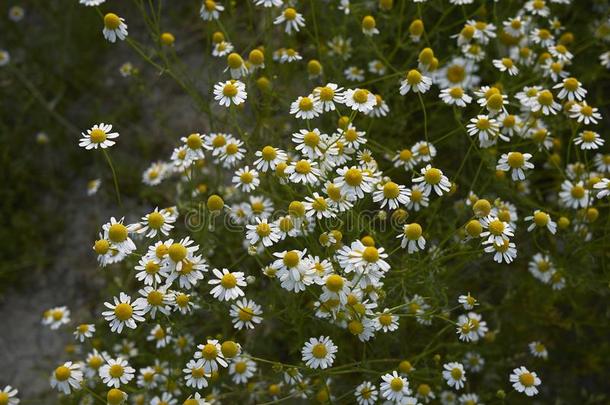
[366,393]
[227,285]
[246,179]
[433,179]
[571,89]
[415,82]
[114,27]
[454,375]
[306,107]
[394,388]
[124,313]
[8,396]
[263,231]
[359,100]
[245,313]
[157,222]
[455,96]
[195,374]
[99,135]
[582,112]
[412,238]
[84,331]
[589,140]
[541,219]
[67,377]
[574,195]
[303,171]
[328,95]
[539,350]
[269,157]
[516,163]
[211,355]
[292,19]
[319,352]
[525,381]
[506,65]
[391,194]
[210,10]
[116,372]
[230,92]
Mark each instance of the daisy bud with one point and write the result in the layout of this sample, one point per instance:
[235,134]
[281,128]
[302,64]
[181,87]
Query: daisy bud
[191,401]
[474,228]
[400,216]
[230,349]
[256,57]
[343,122]
[250,280]
[167,39]
[234,61]
[416,29]
[296,209]
[218,37]
[386,4]
[501,394]
[426,56]
[592,214]
[367,240]
[252,251]
[481,208]
[337,235]
[274,389]
[116,397]
[215,203]
[555,159]
[405,367]
[322,396]
[263,84]
[563,222]
[314,68]
[566,38]
[437,358]
[500,175]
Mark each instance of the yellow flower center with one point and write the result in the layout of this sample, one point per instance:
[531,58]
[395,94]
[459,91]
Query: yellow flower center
[326,93]
[360,96]
[123,311]
[112,21]
[334,282]
[414,77]
[456,73]
[456,92]
[209,351]
[368,22]
[245,314]
[515,160]
[391,190]
[353,177]
[456,373]
[413,231]
[302,167]
[496,227]
[156,220]
[291,259]
[62,373]
[234,61]
[311,139]
[578,192]
[117,233]
[229,90]
[385,319]
[116,371]
[228,281]
[290,13]
[306,104]
[268,153]
[545,98]
[396,384]
[101,246]
[177,252]
[319,351]
[155,298]
[370,254]
[541,218]
[433,176]
[246,177]
[527,379]
[97,135]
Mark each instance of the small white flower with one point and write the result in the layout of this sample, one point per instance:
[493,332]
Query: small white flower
[525,381]
[319,352]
